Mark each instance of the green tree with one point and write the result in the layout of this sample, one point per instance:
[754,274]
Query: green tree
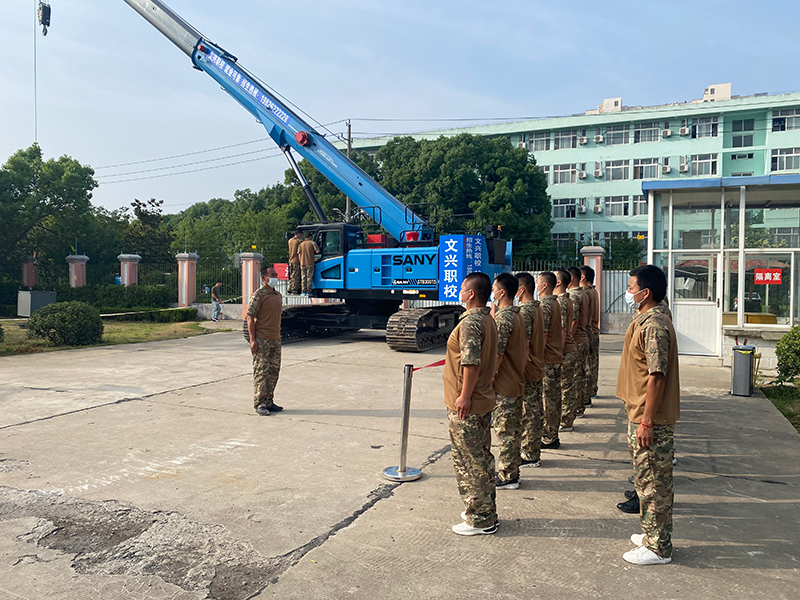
[148,234]
[622,252]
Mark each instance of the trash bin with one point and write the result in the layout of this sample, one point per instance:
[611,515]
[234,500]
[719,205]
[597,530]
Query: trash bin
[742,370]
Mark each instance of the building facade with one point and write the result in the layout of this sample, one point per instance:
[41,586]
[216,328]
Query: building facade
[596,162]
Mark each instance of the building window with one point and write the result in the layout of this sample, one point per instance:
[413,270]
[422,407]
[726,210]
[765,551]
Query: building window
[639,205]
[704,164]
[641,237]
[786,159]
[784,120]
[645,168]
[541,142]
[617,134]
[611,235]
[645,132]
[563,241]
[566,139]
[785,237]
[745,174]
[705,127]
[742,140]
[546,171]
[564,173]
[616,206]
[743,156]
[564,208]
[617,170]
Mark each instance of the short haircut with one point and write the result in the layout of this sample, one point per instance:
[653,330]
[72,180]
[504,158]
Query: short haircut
[507,282]
[218,281]
[527,281]
[549,279]
[588,274]
[480,284]
[652,278]
[576,274]
[298,232]
[564,278]
[267,271]
[309,235]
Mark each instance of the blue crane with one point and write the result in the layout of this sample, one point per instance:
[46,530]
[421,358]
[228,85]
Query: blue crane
[410,263]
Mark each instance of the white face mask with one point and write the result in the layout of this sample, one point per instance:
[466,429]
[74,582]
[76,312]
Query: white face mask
[272,281]
[630,299]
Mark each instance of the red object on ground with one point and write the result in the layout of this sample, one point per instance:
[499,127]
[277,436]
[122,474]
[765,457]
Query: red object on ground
[283,270]
[768,276]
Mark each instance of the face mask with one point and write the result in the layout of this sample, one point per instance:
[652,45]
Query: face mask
[273,281]
[516,301]
[462,301]
[630,299]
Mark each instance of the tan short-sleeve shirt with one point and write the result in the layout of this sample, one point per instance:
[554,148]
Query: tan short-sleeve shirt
[512,345]
[266,305]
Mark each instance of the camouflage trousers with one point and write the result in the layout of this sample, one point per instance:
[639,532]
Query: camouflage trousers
[551,400]
[652,477]
[581,385]
[308,278]
[570,385]
[532,421]
[294,278]
[266,367]
[507,420]
[593,361]
[471,442]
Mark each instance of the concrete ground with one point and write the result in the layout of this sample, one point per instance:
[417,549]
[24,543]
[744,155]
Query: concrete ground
[142,472]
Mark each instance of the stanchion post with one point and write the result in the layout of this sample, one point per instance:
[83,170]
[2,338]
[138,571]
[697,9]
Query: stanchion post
[403,472]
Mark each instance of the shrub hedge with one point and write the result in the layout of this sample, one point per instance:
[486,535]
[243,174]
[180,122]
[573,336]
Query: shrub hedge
[787,351]
[67,324]
[2,333]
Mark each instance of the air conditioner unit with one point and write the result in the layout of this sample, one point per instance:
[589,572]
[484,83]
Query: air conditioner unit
[683,168]
[665,133]
[598,209]
[522,145]
[581,209]
[665,169]
[598,172]
[581,174]
[684,131]
[583,140]
[598,139]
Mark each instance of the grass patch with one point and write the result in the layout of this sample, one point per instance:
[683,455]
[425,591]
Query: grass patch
[17,341]
[786,399]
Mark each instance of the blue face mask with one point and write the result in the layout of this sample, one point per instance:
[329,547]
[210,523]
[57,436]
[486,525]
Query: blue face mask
[273,281]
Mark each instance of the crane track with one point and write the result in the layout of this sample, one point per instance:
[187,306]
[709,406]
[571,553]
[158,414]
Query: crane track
[420,329]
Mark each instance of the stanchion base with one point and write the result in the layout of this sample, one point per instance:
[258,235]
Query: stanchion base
[410,474]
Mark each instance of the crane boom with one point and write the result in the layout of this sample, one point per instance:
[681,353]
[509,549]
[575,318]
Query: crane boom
[286,128]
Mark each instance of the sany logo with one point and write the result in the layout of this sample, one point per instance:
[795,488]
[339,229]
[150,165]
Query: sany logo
[413,259]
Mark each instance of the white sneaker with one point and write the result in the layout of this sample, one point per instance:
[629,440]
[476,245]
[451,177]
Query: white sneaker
[645,556]
[674,461]
[464,529]
[638,539]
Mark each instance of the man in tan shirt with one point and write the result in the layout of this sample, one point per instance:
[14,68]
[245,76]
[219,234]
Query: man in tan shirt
[568,363]
[532,407]
[649,385]
[593,333]
[580,318]
[469,368]
[264,330]
[294,262]
[307,250]
[509,382]
[553,357]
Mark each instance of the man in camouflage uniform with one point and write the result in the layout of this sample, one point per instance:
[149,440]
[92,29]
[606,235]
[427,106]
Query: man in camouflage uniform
[294,262]
[532,408]
[509,381]
[264,330]
[649,385]
[593,332]
[569,364]
[469,397]
[580,318]
[553,357]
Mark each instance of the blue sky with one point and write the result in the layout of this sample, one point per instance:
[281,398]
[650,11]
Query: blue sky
[112,90]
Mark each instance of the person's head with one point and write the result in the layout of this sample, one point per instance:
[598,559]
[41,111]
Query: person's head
[298,234]
[587,275]
[527,284]
[505,287]
[309,235]
[269,275]
[546,283]
[476,289]
[647,286]
[563,280]
[575,273]
[217,283]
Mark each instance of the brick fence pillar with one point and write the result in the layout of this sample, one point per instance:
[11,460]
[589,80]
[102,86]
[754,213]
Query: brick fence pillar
[251,277]
[187,278]
[129,269]
[593,257]
[30,273]
[77,270]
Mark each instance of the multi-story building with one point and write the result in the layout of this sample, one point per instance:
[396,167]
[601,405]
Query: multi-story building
[597,161]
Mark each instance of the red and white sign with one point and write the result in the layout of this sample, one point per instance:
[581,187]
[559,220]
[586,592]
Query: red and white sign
[768,276]
[283,270]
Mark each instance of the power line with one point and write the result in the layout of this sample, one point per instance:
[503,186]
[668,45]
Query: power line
[139,162]
[199,162]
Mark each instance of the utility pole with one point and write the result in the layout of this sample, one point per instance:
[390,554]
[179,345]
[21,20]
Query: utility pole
[349,147]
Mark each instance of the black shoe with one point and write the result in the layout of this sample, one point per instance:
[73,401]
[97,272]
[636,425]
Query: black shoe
[530,463]
[512,484]
[262,410]
[630,506]
[630,479]
[554,445]
[630,494]
[274,408]
[588,402]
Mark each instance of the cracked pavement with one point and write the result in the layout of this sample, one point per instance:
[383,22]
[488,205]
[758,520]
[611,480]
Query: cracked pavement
[142,472]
